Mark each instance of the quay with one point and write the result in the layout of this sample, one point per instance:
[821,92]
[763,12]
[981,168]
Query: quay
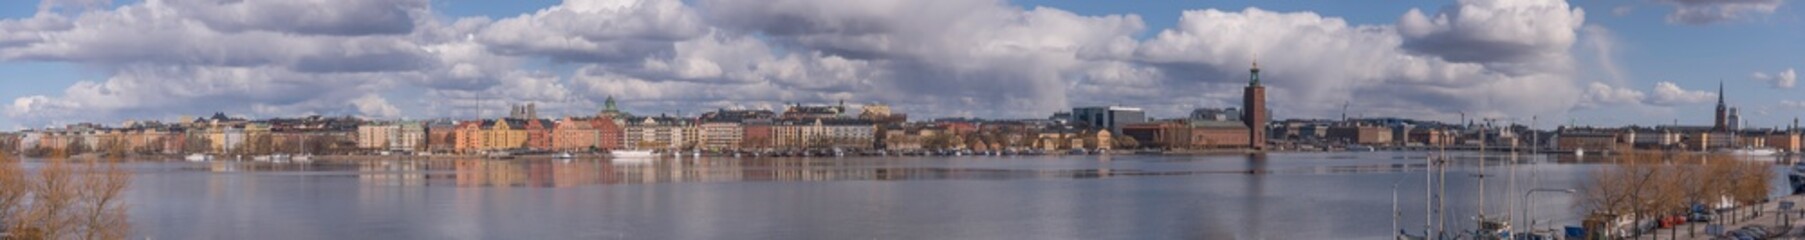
[1779,223]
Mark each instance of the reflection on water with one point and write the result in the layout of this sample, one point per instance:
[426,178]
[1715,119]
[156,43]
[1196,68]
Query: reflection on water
[570,173]
[1265,196]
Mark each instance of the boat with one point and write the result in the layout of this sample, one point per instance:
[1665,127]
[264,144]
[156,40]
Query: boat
[198,157]
[633,154]
[564,156]
[1751,152]
[302,158]
[1796,178]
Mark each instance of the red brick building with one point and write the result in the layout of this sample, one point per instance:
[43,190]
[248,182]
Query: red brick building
[538,134]
[607,132]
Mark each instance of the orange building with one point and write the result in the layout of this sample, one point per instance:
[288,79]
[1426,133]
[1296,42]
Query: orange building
[574,134]
[469,137]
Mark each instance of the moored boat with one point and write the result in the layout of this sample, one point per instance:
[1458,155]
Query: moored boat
[198,157]
[1796,178]
[632,154]
[1751,152]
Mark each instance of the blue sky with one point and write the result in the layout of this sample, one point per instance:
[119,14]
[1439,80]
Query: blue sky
[1648,46]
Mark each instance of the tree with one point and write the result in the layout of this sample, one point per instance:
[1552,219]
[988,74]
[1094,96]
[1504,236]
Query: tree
[63,202]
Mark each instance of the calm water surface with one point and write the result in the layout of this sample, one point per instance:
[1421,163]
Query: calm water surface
[1301,196]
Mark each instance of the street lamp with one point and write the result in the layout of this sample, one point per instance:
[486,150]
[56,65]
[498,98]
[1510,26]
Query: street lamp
[1526,202]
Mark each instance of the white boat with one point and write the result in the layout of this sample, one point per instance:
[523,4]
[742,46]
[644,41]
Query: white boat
[632,154]
[198,157]
[564,156]
[303,158]
[1751,152]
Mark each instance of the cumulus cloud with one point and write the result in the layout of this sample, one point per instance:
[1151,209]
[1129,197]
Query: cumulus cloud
[1373,65]
[1604,94]
[1714,11]
[1783,79]
[1669,94]
[984,58]
[1494,31]
[596,30]
[374,106]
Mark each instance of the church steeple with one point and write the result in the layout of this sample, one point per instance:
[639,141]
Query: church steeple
[1722,122]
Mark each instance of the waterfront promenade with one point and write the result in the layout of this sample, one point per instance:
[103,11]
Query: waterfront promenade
[1789,227]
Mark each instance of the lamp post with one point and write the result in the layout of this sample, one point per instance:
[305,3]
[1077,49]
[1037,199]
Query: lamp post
[1526,203]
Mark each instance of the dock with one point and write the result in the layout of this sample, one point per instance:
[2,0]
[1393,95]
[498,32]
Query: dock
[1785,224]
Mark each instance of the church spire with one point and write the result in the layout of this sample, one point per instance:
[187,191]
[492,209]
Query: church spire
[1720,92]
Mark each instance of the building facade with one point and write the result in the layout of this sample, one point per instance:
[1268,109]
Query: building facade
[1112,118]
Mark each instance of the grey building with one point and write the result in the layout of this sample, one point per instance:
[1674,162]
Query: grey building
[1112,117]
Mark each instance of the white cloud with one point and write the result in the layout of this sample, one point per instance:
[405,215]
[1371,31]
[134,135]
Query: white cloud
[1715,11]
[1669,94]
[1495,31]
[373,106]
[934,58]
[1602,94]
[1313,61]
[1783,79]
[596,30]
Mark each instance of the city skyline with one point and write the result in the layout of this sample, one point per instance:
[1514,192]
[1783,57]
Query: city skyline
[1590,63]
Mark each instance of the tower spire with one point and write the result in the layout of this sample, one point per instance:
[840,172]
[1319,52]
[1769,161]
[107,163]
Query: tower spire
[1254,80]
[1720,92]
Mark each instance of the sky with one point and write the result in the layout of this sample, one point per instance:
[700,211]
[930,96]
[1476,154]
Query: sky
[1532,62]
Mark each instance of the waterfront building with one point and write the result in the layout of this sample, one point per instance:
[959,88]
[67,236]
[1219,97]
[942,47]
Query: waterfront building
[1218,134]
[575,134]
[374,136]
[757,135]
[1160,134]
[469,136]
[441,136]
[905,140]
[608,132]
[409,136]
[1431,137]
[507,133]
[721,135]
[1358,134]
[1784,141]
[231,139]
[1254,102]
[1593,140]
[1112,118]
[824,133]
[538,133]
[657,133]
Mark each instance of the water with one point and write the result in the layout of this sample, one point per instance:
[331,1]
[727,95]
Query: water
[1299,196]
